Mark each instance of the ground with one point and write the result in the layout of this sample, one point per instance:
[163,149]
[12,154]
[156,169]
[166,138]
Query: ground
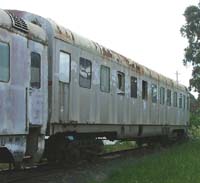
[177,164]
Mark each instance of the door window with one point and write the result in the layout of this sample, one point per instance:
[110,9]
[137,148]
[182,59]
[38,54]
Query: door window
[64,67]
[4,62]
[121,82]
[35,70]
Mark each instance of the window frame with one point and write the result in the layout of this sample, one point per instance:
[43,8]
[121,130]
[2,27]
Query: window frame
[69,66]
[188,103]
[154,86]
[167,102]
[184,100]
[39,69]
[180,98]
[162,97]
[175,95]
[8,44]
[121,92]
[101,79]
[90,75]
[145,94]
[135,92]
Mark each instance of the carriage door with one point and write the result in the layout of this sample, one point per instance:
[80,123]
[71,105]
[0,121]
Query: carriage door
[63,61]
[38,84]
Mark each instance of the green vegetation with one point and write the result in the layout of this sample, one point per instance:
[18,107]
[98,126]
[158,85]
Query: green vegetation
[179,164]
[194,130]
[4,166]
[119,146]
[191,31]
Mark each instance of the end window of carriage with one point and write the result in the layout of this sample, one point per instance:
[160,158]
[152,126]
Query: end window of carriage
[105,79]
[35,70]
[184,98]
[180,100]
[64,67]
[120,83]
[133,87]
[4,62]
[154,93]
[188,103]
[85,73]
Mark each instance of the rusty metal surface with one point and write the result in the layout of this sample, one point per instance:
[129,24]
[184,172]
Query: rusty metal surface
[91,46]
[70,37]
[34,32]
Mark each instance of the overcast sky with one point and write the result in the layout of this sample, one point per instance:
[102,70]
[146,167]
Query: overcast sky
[146,31]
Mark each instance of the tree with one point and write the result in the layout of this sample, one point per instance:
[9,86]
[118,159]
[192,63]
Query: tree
[194,115]
[191,30]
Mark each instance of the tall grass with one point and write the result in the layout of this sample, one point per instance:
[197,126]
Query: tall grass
[179,164]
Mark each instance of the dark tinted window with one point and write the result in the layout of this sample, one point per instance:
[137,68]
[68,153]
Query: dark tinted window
[180,100]
[175,99]
[85,73]
[188,103]
[144,90]
[133,87]
[162,95]
[169,99]
[183,101]
[4,62]
[105,79]
[35,70]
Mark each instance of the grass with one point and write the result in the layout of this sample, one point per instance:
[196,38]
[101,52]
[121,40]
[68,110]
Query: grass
[179,164]
[4,166]
[119,146]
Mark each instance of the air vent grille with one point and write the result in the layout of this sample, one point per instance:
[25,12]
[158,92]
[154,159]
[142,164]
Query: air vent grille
[18,23]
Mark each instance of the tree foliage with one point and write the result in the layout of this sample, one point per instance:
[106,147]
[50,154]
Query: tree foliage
[194,111]
[191,30]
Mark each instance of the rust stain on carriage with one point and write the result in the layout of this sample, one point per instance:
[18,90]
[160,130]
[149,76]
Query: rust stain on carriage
[59,30]
[106,52]
[67,35]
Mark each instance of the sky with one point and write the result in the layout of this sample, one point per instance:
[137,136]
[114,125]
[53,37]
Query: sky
[148,32]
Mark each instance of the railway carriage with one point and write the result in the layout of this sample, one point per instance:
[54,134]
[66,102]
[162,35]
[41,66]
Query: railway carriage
[87,92]
[23,105]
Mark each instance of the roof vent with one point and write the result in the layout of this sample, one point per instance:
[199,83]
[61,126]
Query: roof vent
[18,23]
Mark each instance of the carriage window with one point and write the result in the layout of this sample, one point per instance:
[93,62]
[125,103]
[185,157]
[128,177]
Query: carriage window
[85,73]
[180,101]
[121,82]
[162,95]
[188,103]
[183,101]
[175,99]
[169,97]
[154,93]
[133,87]
[105,79]
[4,62]
[64,67]
[35,70]
[144,90]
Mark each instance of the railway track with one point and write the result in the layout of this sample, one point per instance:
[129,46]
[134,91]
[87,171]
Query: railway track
[44,172]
